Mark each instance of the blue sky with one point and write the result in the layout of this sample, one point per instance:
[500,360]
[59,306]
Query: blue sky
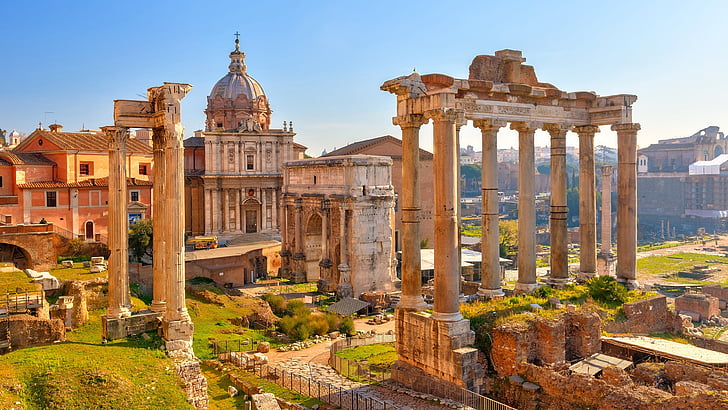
[321,63]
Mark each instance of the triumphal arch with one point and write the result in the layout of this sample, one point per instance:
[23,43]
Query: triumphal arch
[161,113]
[500,90]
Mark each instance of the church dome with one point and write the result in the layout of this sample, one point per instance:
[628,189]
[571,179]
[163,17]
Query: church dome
[237,99]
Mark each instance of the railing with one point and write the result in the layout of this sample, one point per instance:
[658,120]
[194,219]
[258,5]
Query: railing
[359,369]
[64,232]
[20,301]
[333,395]
[228,346]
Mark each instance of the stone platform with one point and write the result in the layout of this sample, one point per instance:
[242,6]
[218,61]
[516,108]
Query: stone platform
[137,323]
[436,349]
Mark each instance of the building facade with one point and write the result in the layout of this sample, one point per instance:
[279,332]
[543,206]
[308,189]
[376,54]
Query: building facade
[62,178]
[233,168]
[339,220]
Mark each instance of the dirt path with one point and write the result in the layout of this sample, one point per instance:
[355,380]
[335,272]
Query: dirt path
[710,248]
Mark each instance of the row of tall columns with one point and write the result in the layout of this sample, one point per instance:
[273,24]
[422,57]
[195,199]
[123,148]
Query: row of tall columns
[490,243]
[447,254]
[220,221]
[411,298]
[119,295]
[220,161]
[526,209]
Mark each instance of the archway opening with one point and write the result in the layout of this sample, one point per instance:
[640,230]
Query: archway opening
[312,243]
[15,255]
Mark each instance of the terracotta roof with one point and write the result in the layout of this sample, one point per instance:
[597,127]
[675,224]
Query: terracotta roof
[24,158]
[91,182]
[360,147]
[299,146]
[86,141]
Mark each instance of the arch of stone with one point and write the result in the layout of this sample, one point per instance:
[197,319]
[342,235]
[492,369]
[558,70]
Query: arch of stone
[161,113]
[500,90]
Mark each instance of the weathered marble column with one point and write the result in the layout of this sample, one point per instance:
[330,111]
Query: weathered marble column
[119,295]
[559,209]
[159,265]
[325,263]
[205,209]
[526,207]
[237,210]
[587,202]
[344,289]
[225,210]
[490,242]
[627,202]
[410,201]
[447,267]
[606,247]
[299,270]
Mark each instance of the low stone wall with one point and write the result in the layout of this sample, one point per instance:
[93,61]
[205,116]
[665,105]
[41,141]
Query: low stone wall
[28,331]
[710,343]
[706,306]
[583,334]
[647,316]
[87,295]
[716,291]
[194,383]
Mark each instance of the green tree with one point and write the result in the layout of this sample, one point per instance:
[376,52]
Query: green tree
[508,236]
[471,171]
[140,237]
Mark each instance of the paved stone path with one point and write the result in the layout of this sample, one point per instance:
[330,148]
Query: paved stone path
[393,399]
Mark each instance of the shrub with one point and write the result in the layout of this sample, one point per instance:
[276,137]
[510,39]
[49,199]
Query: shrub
[606,289]
[277,303]
[347,326]
[297,308]
[319,325]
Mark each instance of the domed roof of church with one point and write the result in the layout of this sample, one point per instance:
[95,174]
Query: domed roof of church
[237,81]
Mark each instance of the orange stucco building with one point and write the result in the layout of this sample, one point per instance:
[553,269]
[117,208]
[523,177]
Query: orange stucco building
[62,178]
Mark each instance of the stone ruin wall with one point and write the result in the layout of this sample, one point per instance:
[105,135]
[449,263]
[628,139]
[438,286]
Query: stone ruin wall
[194,384]
[28,331]
[647,316]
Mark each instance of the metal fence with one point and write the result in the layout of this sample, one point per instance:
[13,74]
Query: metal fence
[357,369]
[329,393]
[229,346]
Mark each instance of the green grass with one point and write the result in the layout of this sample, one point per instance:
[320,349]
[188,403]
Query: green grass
[217,384]
[278,390]
[77,272]
[84,373]
[664,245]
[673,337]
[380,354]
[684,261]
[10,281]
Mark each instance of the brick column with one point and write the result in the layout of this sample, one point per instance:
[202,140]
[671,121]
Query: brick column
[627,203]
[587,202]
[559,209]
[119,296]
[410,202]
[490,242]
[526,207]
[447,266]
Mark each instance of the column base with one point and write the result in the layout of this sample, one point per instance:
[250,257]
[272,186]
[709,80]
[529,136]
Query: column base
[447,317]
[177,336]
[118,313]
[631,284]
[584,276]
[525,287]
[558,282]
[140,322]
[490,293]
[606,264]
[158,307]
[412,303]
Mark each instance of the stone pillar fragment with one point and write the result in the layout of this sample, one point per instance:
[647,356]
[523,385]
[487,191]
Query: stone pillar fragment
[490,242]
[559,210]
[605,259]
[410,199]
[299,258]
[587,202]
[627,203]
[119,295]
[447,261]
[344,289]
[526,207]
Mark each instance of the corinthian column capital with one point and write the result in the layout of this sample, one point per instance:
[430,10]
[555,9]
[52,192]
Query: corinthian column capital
[443,114]
[409,120]
[117,135]
[557,130]
[630,126]
[489,124]
[526,126]
[587,129]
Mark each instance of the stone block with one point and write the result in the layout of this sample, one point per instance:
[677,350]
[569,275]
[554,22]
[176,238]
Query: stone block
[232,391]
[97,268]
[265,401]
[532,387]
[97,260]
[694,316]
[67,264]
[263,347]
[516,379]
[32,274]
[138,323]
[687,388]
[706,306]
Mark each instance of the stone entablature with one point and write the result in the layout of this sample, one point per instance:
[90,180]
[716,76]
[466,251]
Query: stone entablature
[339,214]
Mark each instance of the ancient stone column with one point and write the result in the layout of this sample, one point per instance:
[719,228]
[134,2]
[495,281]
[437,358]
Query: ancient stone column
[159,266]
[344,289]
[587,202]
[119,296]
[410,201]
[238,226]
[325,263]
[298,256]
[447,266]
[606,209]
[627,202]
[490,242]
[225,210]
[526,207]
[559,209]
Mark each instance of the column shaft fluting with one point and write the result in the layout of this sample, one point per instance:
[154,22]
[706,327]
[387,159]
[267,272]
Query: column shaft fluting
[559,209]
[627,201]
[119,296]
[410,201]
[447,266]
[526,208]
[159,269]
[587,202]
[490,241]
